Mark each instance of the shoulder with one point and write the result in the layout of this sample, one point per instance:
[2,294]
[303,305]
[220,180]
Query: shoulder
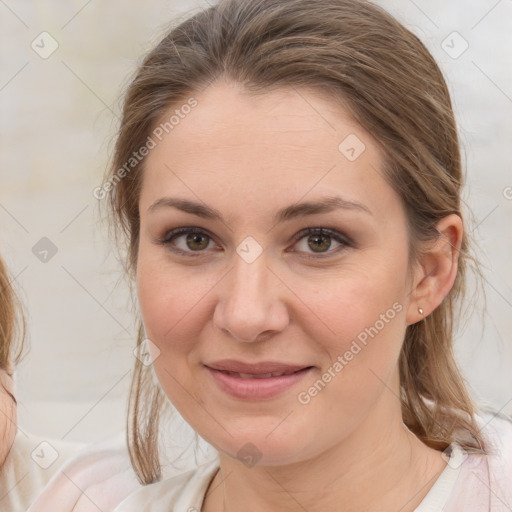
[30,465]
[99,476]
[44,455]
[485,481]
[181,492]
[497,431]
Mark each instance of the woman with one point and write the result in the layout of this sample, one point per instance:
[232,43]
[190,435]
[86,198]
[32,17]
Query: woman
[9,335]
[288,177]
[27,462]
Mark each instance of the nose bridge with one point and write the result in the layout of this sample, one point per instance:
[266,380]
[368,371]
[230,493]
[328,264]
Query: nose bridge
[250,304]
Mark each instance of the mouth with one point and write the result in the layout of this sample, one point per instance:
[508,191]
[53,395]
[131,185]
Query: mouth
[259,375]
[257,381]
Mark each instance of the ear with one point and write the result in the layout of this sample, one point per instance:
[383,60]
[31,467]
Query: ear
[437,269]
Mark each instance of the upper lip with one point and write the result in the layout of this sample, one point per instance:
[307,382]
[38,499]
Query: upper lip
[262,367]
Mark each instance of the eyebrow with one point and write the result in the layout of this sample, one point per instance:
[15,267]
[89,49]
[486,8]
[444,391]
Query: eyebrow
[324,205]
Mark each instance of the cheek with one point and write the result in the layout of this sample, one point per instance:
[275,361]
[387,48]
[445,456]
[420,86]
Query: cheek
[173,302]
[358,300]
[368,318]
[167,299]
[364,309]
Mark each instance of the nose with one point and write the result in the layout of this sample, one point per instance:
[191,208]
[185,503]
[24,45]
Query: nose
[251,304]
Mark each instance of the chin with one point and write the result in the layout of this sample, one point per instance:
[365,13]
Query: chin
[261,443]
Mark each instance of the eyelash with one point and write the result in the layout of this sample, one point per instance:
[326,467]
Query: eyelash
[338,237]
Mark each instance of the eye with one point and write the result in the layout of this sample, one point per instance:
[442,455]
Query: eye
[319,241]
[193,239]
[315,241]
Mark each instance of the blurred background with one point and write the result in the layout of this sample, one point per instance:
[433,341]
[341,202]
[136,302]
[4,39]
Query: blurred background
[63,66]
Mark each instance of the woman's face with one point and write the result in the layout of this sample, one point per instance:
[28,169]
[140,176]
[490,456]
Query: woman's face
[252,295]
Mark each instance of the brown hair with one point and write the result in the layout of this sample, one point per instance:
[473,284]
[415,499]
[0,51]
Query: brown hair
[11,346]
[11,324]
[368,62]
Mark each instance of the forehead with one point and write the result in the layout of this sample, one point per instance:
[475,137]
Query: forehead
[227,114]
[287,142]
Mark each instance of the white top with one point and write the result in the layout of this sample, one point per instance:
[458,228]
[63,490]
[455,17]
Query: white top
[469,483]
[97,478]
[30,464]
[100,476]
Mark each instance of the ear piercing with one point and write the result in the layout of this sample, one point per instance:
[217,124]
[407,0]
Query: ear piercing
[420,311]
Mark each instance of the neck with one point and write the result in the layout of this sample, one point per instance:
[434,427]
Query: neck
[376,468]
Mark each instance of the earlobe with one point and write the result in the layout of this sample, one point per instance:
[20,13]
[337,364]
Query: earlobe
[437,269]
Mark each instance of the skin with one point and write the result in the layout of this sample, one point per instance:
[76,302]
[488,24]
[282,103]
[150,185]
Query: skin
[248,156]
[7,416]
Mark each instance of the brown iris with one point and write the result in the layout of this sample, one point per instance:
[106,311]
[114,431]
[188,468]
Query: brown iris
[315,242]
[195,238]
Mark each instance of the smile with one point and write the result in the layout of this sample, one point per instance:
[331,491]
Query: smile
[256,383]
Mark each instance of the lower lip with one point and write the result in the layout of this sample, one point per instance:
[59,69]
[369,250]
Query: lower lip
[256,389]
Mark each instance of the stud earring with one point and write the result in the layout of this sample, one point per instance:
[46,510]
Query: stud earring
[420,311]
